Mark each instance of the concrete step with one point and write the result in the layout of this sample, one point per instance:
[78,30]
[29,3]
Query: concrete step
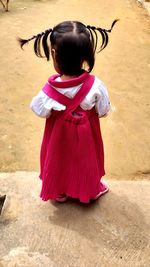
[111,232]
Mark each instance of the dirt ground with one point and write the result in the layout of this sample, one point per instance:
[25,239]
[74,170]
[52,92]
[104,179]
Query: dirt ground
[124,66]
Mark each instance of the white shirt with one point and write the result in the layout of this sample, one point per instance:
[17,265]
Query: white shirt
[42,104]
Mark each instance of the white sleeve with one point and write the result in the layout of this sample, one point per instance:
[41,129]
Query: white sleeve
[102,105]
[42,105]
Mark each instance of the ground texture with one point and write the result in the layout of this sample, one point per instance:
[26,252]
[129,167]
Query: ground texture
[124,66]
[112,232]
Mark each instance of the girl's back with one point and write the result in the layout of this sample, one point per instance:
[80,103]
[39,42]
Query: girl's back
[72,155]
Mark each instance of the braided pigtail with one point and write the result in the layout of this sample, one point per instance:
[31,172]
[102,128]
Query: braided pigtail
[45,44]
[104,34]
[40,39]
[94,41]
[37,45]
[22,42]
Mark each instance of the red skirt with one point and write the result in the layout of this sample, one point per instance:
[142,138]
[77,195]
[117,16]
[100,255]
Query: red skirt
[72,156]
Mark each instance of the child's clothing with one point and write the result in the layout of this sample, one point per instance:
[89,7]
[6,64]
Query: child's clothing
[72,156]
[97,97]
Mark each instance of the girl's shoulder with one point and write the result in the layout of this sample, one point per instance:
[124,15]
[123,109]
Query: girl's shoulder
[98,97]
[98,87]
[98,82]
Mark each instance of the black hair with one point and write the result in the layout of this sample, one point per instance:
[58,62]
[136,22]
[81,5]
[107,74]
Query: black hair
[74,44]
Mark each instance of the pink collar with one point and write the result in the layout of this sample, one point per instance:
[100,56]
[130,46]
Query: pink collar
[67,83]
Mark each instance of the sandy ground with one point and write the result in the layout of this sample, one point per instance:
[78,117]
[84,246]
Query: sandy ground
[124,66]
[113,231]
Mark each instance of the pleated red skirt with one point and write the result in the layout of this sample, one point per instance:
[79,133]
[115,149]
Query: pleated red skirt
[72,155]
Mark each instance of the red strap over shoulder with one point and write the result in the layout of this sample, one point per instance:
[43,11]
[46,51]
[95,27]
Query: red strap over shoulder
[87,81]
[81,94]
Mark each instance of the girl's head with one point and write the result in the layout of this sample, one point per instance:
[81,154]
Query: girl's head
[71,47]
[71,44]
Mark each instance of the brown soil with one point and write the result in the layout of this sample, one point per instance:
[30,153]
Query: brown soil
[124,66]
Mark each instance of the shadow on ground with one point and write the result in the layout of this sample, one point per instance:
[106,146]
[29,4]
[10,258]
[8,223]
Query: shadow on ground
[112,231]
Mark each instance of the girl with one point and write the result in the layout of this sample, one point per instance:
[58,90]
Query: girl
[72,156]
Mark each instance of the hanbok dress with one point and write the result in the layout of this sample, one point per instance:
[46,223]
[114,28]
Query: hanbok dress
[72,153]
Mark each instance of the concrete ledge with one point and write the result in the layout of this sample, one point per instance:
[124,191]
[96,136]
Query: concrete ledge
[111,232]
